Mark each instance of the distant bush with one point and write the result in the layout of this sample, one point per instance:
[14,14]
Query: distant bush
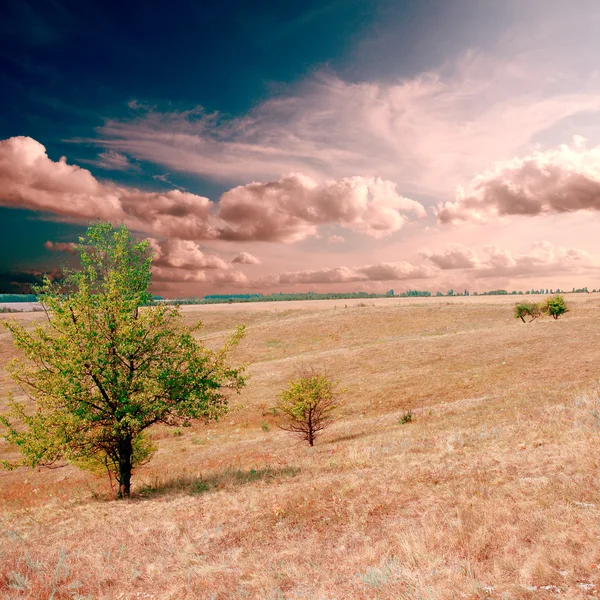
[307,404]
[407,417]
[527,309]
[554,306]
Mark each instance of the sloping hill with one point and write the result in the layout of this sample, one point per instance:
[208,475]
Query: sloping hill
[491,491]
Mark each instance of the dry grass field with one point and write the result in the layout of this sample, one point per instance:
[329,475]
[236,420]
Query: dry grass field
[492,491]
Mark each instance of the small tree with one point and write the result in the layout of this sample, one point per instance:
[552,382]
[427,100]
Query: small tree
[106,367]
[554,306]
[307,404]
[523,309]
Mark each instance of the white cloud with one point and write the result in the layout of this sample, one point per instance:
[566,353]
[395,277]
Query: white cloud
[427,134]
[245,258]
[544,257]
[386,271]
[556,181]
[293,207]
[287,210]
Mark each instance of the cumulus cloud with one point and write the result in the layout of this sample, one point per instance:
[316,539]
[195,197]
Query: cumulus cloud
[161,275]
[385,271]
[245,258]
[544,257]
[185,255]
[183,261]
[29,179]
[455,257]
[281,211]
[60,246]
[557,181]
[291,209]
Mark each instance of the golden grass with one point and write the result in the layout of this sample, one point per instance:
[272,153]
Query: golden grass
[491,492]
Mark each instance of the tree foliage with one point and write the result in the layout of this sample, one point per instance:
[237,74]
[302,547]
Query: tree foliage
[105,367]
[527,309]
[554,306]
[308,403]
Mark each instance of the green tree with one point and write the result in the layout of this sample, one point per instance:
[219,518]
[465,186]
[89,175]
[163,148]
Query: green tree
[554,306]
[107,364]
[307,404]
[524,309]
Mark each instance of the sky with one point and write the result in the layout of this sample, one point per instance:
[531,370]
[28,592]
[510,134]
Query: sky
[345,145]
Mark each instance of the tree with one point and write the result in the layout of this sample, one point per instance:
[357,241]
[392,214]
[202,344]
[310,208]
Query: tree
[523,309]
[554,306]
[308,404]
[108,364]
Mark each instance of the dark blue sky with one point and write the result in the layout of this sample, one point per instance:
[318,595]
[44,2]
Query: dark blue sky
[65,65]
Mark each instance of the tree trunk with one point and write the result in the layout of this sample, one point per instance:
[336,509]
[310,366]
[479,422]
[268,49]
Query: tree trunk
[125,466]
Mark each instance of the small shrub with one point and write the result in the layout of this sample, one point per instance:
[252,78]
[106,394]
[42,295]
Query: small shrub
[527,309]
[554,306]
[264,426]
[307,404]
[407,417]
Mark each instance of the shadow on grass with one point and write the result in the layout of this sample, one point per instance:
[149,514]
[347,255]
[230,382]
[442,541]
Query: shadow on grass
[347,437]
[198,485]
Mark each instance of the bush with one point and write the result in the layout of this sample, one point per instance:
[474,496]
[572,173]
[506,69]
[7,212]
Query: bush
[527,309]
[407,417]
[554,306]
[307,404]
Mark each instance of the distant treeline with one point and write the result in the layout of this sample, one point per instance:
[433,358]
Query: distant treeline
[281,297]
[277,297]
[18,298]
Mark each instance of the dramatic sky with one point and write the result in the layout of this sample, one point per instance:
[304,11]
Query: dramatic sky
[296,146]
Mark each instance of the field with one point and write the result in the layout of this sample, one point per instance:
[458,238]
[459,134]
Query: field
[492,491]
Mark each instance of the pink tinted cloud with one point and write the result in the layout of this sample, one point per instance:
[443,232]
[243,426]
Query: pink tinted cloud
[456,256]
[162,275]
[386,271]
[557,181]
[245,258]
[29,179]
[293,207]
[60,246]
[427,133]
[336,239]
[183,261]
[287,210]
[111,160]
[185,255]
[544,257]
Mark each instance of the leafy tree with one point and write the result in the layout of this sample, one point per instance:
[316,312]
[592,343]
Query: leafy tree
[307,404]
[524,309]
[554,306]
[105,366]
